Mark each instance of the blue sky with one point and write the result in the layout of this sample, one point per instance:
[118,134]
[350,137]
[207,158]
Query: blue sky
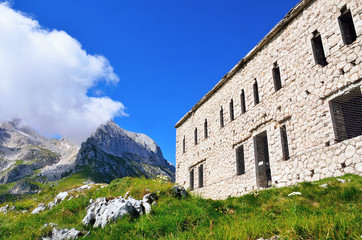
[167,54]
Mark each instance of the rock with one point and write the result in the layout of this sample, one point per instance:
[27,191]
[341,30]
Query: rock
[41,207]
[179,191]
[24,187]
[272,238]
[127,195]
[64,234]
[58,199]
[102,211]
[4,209]
[84,187]
[61,196]
[359,167]
[48,224]
[148,200]
[350,151]
[324,185]
[294,193]
[341,180]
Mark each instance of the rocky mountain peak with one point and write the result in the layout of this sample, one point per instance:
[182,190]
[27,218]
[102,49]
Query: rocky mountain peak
[123,153]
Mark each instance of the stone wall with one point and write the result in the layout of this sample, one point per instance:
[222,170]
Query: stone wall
[302,105]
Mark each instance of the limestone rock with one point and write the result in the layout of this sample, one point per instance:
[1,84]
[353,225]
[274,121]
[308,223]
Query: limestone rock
[350,151]
[359,167]
[102,211]
[64,234]
[4,209]
[294,193]
[24,187]
[41,207]
[179,191]
[341,180]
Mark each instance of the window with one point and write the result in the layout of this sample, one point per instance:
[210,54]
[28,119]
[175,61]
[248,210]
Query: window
[201,175]
[347,27]
[184,145]
[285,148]
[192,179]
[231,106]
[318,51]
[240,163]
[276,77]
[346,112]
[221,117]
[195,134]
[205,129]
[256,92]
[242,99]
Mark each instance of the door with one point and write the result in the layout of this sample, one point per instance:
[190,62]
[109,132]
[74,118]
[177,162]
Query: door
[262,165]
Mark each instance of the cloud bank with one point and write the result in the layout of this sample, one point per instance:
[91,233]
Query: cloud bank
[45,76]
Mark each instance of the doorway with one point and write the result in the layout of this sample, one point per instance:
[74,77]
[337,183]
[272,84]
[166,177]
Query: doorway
[262,165]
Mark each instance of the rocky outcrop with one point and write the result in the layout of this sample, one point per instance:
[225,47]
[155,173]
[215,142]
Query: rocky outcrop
[103,211]
[24,187]
[63,196]
[112,152]
[63,234]
[179,191]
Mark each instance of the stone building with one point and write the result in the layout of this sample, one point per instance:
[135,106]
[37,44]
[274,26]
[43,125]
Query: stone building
[289,111]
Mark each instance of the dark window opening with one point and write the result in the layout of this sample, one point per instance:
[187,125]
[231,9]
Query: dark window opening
[256,93]
[318,51]
[192,179]
[206,135]
[276,77]
[284,138]
[346,112]
[347,27]
[262,166]
[221,117]
[201,175]
[195,133]
[184,145]
[240,161]
[242,99]
[231,106]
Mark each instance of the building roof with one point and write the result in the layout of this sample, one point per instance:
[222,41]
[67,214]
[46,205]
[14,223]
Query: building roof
[276,29]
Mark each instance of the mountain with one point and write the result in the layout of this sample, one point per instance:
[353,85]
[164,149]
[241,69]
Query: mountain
[112,152]
[23,151]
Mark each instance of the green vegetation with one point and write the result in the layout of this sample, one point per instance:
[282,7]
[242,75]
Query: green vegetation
[331,212]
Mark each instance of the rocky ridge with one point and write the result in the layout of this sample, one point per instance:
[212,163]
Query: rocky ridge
[112,152]
[23,151]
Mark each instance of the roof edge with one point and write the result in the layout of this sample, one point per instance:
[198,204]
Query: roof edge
[276,29]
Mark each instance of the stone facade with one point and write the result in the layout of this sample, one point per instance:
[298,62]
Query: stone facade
[300,132]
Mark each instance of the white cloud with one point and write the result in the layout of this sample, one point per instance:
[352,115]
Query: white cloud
[45,76]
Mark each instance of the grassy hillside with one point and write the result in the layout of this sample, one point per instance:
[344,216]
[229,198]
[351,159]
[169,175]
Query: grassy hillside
[331,212]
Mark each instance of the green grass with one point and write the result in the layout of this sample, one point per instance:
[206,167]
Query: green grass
[319,213]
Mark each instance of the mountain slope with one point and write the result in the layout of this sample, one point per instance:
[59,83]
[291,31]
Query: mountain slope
[112,152]
[23,151]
